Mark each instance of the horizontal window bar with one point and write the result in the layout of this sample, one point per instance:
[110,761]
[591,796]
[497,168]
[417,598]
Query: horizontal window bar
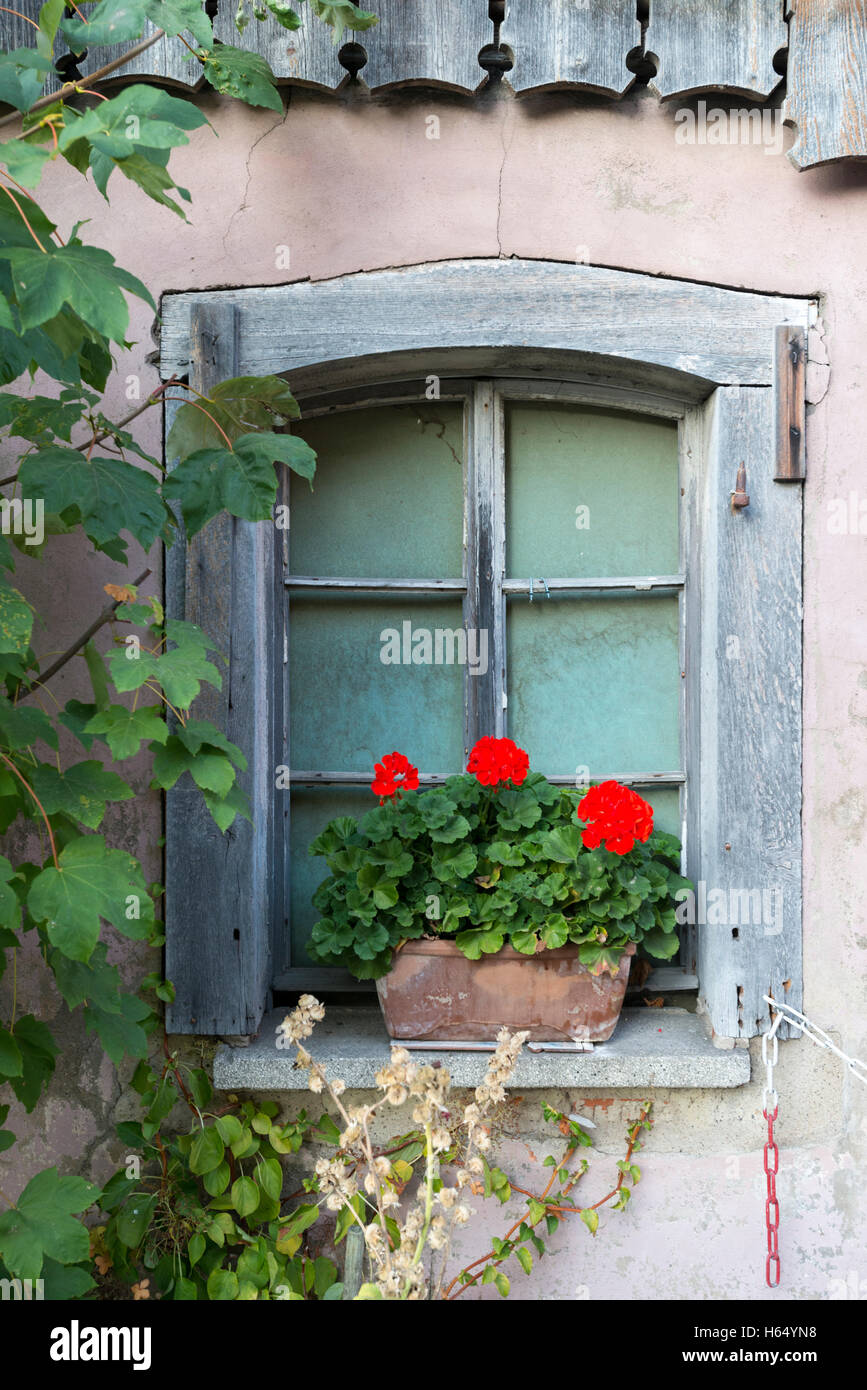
[433,779]
[639,583]
[395,586]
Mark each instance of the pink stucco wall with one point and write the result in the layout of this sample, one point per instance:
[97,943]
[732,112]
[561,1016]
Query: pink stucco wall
[358,185]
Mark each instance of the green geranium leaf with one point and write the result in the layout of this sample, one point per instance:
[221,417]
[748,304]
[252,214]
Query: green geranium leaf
[660,944]
[475,943]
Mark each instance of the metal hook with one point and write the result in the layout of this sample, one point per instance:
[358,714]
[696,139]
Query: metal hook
[740,497]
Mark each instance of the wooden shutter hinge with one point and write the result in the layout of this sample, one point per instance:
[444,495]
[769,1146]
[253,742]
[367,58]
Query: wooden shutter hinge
[790,402]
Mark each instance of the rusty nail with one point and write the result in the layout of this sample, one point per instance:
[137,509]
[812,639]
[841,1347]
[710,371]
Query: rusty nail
[739,496]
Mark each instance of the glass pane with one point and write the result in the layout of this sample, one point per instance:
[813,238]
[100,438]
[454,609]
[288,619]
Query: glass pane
[311,810]
[348,706]
[388,496]
[595,683]
[590,493]
[666,808]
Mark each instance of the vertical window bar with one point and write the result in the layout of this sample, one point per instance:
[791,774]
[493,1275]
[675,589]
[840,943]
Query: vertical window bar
[486,559]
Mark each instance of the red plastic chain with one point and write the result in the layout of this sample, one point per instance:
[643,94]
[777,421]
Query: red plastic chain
[772,1206]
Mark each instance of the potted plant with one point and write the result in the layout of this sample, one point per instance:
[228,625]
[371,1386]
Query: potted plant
[496,899]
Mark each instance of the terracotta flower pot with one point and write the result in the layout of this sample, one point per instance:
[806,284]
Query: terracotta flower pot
[433,991]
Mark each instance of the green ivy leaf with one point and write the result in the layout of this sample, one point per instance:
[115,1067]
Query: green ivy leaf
[240,481]
[179,671]
[110,21]
[341,14]
[42,1223]
[23,725]
[16,620]
[590,1219]
[91,882]
[109,495]
[24,160]
[211,771]
[22,74]
[238,406]
[38,1051]
[124,729]
[243,75]
[80,792]
[284,14]
[83,277]
[224,810]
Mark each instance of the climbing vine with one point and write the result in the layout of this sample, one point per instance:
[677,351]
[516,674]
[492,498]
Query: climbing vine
[72,467]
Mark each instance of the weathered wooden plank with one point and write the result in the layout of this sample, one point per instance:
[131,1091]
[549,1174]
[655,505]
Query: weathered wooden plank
[635,583]
[305,56]
[725,336]
[573,43]
[219,887]
[395,586]
[749,944]
[827,81]
[728,46]
[431,779]
[790,400]
[427,42]
[167,61]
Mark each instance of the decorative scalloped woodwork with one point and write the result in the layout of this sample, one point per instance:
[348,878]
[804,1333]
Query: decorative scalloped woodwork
[827,81]
[575,43]
[306,55]
[426,41]
[728,46]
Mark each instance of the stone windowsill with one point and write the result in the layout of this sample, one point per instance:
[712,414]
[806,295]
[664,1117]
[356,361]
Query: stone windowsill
[651,1047]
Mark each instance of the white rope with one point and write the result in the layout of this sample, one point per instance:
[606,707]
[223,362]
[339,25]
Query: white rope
[808,1030]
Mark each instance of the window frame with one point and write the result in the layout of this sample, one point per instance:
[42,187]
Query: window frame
[644,342]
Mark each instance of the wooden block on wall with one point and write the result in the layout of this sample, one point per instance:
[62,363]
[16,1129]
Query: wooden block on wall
[790,403]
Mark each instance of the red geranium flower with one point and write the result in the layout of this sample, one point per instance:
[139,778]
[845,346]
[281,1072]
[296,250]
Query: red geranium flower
[393,773]
[615,814]
[496,760]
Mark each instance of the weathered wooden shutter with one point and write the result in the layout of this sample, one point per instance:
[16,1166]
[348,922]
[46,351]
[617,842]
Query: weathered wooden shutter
[220,888]
[750,718]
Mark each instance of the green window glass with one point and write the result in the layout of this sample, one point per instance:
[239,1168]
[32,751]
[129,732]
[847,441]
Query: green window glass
[481,564]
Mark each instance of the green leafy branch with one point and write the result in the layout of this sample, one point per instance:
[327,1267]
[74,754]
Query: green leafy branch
[548,1208]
